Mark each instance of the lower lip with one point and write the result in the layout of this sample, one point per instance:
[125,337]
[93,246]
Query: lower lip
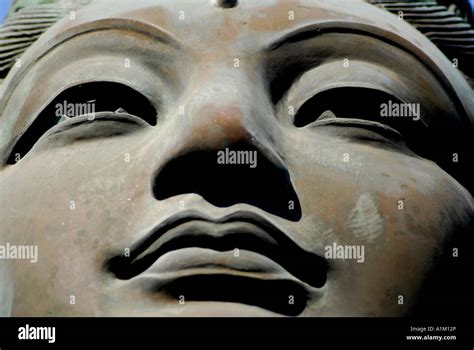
[180,265]
[200,264]
[192,261]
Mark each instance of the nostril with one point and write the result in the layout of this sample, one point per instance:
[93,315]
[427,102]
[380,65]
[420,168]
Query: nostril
[238,174]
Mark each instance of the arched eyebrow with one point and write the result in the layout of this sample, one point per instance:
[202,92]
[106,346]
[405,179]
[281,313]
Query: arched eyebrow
[311,31]
[57,39]
[152,31]
[294,36]
[54,40]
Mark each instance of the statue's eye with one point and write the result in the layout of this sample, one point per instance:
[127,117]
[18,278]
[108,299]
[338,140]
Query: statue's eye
[348,102]
[367,108]
[364,114]
[84,102]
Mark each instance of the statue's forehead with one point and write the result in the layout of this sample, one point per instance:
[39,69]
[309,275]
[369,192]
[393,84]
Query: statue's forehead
[191,20]
[251,26]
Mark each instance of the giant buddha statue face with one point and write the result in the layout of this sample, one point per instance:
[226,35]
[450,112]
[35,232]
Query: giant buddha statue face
[224,158]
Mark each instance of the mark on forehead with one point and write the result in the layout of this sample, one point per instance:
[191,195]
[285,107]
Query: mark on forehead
[365,220]
[226,4]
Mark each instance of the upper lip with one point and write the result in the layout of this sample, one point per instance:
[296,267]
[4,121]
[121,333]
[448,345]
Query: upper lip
[251,232]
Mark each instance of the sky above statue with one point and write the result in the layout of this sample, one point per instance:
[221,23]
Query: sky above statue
[4,5]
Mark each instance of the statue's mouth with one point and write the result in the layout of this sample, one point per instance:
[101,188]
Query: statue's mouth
[242,258]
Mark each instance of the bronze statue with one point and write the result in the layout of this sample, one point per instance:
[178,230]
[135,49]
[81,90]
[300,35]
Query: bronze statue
[229,158]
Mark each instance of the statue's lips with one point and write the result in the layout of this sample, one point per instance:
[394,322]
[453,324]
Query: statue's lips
[190,261]
[206,275]
[244,243]
[242,259]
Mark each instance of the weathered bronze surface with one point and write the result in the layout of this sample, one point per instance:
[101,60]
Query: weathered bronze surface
[134,216]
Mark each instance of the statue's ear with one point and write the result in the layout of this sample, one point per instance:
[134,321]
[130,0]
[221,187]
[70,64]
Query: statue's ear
[26,22]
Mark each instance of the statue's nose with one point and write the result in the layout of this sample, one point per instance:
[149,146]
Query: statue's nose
[223,110]
[219,123]
[221,107]
[226,154]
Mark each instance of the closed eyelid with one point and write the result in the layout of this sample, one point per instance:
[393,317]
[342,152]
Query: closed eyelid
[106,97]
[363,107]
[97,117]
[380,128]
